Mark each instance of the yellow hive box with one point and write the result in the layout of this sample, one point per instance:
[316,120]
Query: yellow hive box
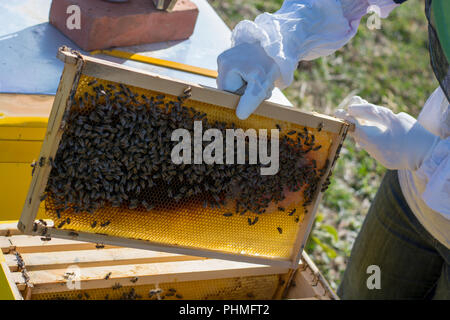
[188,228]
[23,122]
[67,269]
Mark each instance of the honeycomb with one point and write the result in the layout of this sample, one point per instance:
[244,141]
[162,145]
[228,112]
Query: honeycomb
[188,223]
[243,288]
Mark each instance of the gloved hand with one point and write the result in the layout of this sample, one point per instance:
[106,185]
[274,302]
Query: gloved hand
[249,64]
[397,141]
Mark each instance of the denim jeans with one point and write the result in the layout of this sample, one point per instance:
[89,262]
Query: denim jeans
[412,264]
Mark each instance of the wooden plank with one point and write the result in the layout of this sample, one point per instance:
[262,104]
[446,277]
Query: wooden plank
[28,244]
[147,245]
[305,227]
[5,245]
[308,282]
[26,105]
[103,69]
[318,275]
[151,273]
[92,258]
[50,145]
[8,229]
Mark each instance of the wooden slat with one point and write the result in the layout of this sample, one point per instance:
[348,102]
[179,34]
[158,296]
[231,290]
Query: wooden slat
[151,273]
[147,245]
[8,229]
[92,258]
[28,244]
[305,228]
[308,282]
[131,76]
[50,145]
[5,245]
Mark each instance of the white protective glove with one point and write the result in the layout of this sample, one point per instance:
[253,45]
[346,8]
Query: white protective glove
[300,30]
[249,64]
[397,141]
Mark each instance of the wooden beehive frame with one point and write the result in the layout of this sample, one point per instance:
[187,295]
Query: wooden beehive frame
[44,263]
[76,65]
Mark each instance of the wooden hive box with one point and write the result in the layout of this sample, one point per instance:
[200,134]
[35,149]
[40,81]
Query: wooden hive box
[69,269]
[186,228]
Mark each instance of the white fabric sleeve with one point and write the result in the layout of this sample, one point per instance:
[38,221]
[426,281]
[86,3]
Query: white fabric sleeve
[436,170]
[306,30]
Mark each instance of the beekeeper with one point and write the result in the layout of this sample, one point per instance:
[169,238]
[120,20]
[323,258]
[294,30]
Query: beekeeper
[406,233]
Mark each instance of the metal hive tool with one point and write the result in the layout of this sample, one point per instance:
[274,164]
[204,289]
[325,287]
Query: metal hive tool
[177,218]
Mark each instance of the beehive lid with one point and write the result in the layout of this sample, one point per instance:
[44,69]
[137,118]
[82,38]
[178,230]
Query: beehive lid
[184,226]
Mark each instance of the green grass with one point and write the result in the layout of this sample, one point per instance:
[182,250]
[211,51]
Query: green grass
[389,67]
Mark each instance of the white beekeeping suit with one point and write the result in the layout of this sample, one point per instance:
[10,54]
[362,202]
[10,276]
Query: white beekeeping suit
[265,54]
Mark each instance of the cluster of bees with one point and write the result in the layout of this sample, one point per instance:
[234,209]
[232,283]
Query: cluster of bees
[116,151]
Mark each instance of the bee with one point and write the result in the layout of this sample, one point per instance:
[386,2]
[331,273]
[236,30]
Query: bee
[106,223]
[68,220]
[290,133]
[319,128]
[152,292]
[41,161]
[281,209]
[116,286]
[227,214]
[134,280]
[43,197]
[108,275]
[33,165]
[61,224]
[297,219]
[91,83]
[280,230]
[292,212]
[278,126]
[94,224]
[46,238]
[43,222]
[317,148]
[147,206]
[99,246]
[187,90]
[179,296]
